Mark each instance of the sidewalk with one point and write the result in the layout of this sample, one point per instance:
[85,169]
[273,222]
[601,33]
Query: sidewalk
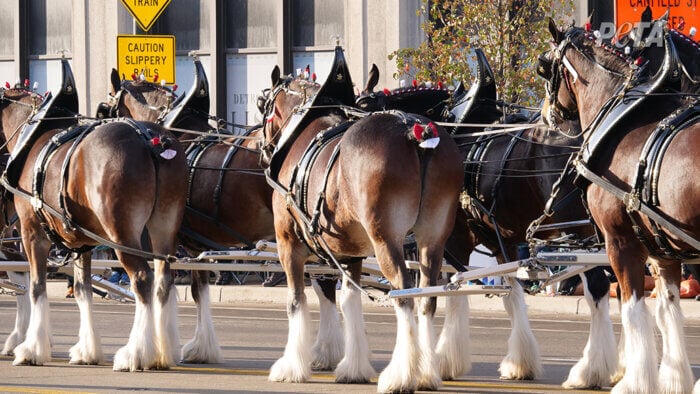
[538,304]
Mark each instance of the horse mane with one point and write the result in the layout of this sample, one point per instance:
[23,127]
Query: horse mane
[18,93]
[143,86]
[607,54]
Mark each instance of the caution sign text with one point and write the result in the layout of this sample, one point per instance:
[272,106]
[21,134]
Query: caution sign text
[152,56]
[145,12]
[683,14]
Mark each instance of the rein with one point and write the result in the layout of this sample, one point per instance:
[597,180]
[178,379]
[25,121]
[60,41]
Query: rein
[212,134]
[104,241]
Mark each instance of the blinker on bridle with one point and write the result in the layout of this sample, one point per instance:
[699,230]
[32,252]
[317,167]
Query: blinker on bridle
[116,101]
[270,96]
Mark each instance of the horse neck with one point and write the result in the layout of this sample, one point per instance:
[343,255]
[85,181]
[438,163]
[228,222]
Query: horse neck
[595,90]
[14,117]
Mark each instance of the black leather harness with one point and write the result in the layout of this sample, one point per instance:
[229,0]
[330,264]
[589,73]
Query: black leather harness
[647,179]
[195,151]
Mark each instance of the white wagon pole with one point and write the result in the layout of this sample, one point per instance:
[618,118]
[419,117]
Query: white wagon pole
[528,269]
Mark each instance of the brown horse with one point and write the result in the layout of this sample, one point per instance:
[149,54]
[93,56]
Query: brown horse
[360,193]
[229,202]
[86,185]
[530,160]
[639,158]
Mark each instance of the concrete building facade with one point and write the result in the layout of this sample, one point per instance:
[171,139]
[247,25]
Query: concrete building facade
[238,42]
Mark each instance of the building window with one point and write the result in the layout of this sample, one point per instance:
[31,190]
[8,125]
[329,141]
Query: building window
[188,21]
[7,35]
[317,23]
[251,23]
[51,27]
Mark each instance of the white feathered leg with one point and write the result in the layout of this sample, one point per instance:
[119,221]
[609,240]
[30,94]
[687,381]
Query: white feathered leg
[599,361]
[454,346]
[675,375]
[428,365]
[400,375]
[22,314]
[295,364]
[621,359]
[140,352]
[165,316]
[355,366]
[36,348]
[523,358]
[203,348]
[328,348]
[88,349]
[641,373]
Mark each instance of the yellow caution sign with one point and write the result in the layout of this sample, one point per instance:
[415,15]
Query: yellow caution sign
[145,11]
[150,56]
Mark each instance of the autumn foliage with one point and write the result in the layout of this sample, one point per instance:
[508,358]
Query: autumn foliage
[512,33]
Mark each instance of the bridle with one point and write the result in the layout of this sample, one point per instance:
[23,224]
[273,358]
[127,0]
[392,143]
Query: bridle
[115,102]
[269,143]
[37,99]
[555,67]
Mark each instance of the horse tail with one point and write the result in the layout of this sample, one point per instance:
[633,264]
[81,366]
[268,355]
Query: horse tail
[163,146]
[426,135]
[171,174]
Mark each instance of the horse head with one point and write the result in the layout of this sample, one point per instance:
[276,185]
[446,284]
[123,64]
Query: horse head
[280,104]
[582,72]
[138,99]
[17,105]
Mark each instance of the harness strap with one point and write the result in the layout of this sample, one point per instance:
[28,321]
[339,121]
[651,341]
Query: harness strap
[633,204]
[76,135]
[194,153]
[647,175]
[36,197]
[99,239]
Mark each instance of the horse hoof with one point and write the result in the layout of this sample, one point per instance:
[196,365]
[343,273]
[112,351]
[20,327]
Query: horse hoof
[512,377]
[159,368]
[349,380]
[83,362]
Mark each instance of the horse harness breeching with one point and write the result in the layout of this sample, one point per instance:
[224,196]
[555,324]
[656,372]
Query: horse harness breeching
[73,135]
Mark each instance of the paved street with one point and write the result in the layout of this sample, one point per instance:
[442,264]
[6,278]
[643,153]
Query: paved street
[252,336]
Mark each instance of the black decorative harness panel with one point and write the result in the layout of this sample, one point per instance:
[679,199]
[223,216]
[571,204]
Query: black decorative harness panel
[194,152]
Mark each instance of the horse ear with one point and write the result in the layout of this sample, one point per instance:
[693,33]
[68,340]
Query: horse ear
[646,15]
[556,34]
[115,81]
[372,80]
[275,76]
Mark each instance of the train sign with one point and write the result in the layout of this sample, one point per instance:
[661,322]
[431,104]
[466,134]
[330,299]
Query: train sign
[683,16]
[146,11]
[150,56]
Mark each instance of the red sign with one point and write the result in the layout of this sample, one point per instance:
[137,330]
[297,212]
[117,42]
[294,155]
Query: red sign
[684,14]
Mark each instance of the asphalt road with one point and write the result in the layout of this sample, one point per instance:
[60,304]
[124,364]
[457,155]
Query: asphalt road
[252,337]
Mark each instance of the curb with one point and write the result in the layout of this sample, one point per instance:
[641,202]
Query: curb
[537,304]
